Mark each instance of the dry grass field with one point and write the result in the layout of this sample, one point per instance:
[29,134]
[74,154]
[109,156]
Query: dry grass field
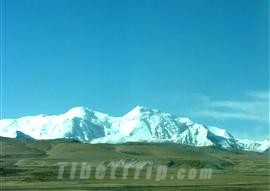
[33,165]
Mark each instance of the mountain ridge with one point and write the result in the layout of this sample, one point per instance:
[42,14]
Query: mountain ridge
[141,124]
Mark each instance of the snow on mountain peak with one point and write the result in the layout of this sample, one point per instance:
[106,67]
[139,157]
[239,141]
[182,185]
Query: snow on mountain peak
[195,135]
[139,111]
[141,124]
[250,145]
[77,112]
[185,120]
[220,132]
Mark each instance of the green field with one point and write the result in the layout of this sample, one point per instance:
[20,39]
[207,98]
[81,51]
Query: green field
[32,165]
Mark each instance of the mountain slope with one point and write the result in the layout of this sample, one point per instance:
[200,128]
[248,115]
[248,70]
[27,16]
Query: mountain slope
[259,146]
[141,124]
[80,123]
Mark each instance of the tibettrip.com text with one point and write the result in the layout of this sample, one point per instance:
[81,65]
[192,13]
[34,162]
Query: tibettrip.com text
[84,170]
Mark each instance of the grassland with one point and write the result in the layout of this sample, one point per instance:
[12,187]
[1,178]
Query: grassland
[32,165]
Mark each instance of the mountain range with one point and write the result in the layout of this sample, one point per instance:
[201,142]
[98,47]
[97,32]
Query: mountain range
[141,124]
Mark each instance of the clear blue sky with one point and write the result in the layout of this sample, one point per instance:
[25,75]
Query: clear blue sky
[205,59]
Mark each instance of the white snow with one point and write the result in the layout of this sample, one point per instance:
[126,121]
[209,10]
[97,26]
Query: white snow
[141,124]
[259,146]
[76,112]
[195,135]
[185,120]
[220,132]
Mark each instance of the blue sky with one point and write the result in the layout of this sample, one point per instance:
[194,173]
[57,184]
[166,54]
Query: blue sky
[204,59]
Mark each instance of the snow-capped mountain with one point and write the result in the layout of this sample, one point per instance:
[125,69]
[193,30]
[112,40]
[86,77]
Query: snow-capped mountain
[258,146]
[141,124]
